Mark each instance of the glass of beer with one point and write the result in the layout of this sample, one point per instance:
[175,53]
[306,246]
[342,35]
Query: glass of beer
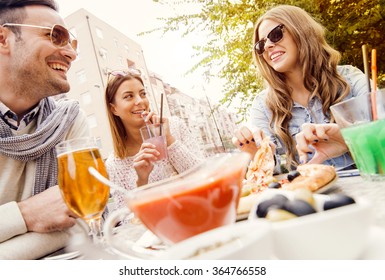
[83,194]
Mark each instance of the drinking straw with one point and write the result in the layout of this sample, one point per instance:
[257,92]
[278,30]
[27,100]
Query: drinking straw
[374,78]
[148,129]
[161,114]
[107,182]
[366,65]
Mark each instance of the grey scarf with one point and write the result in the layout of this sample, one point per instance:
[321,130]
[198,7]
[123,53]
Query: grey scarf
[54,120]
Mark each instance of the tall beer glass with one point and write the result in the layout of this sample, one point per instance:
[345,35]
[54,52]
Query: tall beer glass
[83,194]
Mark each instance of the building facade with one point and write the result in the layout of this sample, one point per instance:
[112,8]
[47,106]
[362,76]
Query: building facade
[102,49]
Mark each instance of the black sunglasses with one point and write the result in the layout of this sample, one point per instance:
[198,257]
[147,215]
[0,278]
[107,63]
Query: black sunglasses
[59,35]
[274,36]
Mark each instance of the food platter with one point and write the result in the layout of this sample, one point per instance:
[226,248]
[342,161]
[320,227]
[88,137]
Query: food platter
[247,202]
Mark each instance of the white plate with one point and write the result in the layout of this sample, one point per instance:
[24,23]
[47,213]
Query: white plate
[65,256]
[240,241]
[135,241]
[375,245]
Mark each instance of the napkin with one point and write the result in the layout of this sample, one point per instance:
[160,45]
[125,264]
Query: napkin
[32,245]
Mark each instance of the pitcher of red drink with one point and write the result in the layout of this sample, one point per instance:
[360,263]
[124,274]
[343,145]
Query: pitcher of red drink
[202,198]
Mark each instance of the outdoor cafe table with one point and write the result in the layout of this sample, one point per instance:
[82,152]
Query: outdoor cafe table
[357,187]
[353,186]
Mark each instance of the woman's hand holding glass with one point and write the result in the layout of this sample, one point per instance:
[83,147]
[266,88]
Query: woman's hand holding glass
[148,153]
[325,139]
[151,117]
[143,162]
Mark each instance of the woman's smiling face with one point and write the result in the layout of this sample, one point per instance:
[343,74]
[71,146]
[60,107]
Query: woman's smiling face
[130,102]
[283,55]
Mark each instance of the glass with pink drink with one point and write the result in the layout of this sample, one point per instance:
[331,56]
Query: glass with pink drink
[154,134]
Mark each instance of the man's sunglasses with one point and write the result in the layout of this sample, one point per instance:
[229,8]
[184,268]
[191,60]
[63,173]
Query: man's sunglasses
[123,73]
[59,35]
[274,36]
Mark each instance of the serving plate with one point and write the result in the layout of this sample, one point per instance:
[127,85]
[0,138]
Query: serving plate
[239,241]
[65,256]
[135,241]
[246,203]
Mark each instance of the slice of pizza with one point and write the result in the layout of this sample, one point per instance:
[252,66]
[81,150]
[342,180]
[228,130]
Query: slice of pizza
[312,177]
[260,174]
[260,171]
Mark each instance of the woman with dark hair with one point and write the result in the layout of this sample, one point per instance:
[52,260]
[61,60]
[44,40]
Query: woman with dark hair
[303,81]
[134,163]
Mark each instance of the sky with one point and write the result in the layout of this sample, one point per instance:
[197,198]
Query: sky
[168,55]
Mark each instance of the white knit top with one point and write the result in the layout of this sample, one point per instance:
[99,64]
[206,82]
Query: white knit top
[183,154]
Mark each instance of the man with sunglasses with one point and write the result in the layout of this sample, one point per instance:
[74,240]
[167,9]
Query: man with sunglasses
[36,51]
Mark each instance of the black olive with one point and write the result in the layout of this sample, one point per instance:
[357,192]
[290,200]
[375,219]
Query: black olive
[276,201]
[274,185]
[292,175]
[338,200]
[299,207]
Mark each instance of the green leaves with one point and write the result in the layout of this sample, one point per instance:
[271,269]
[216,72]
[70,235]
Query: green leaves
[229,27]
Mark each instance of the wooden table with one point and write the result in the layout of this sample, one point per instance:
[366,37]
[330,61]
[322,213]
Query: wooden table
[357,187]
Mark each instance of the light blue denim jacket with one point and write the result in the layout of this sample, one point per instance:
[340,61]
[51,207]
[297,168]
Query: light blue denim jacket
[260,115]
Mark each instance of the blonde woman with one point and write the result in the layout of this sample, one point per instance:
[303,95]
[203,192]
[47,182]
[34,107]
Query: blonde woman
[303,81]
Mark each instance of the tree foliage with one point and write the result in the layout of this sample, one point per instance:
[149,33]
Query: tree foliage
[229,26]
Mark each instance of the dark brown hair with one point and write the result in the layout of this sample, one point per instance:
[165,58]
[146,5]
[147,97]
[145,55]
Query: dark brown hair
[118,131]
[13,10]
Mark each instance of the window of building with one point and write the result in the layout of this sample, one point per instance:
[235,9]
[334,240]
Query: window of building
[99,142]
[121,61]
[81,76]
[103,53]
[99,33]
[92,122]
[127,48]
[86,98]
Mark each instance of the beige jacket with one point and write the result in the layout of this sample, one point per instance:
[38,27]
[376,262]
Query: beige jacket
[16,183]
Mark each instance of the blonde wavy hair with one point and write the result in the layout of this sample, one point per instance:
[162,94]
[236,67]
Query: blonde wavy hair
[319,66]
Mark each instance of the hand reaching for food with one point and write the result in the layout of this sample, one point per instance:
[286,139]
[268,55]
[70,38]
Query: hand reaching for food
[249,140]
[325,139]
